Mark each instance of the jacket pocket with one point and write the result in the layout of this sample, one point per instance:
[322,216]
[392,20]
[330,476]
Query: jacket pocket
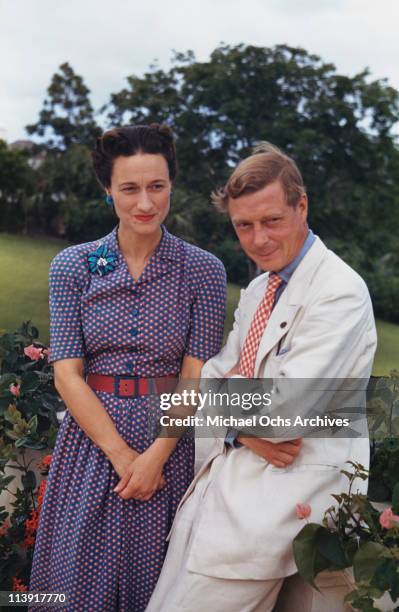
[305,467]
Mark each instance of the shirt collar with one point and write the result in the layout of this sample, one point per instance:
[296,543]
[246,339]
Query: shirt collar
[286,273]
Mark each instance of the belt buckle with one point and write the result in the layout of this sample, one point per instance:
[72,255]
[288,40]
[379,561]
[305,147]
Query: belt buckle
[125,387]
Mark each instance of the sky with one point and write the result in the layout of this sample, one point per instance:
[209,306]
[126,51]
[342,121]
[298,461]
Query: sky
[107,41]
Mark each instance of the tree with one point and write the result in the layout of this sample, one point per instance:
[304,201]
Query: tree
[16,189]
[67,116]
[69,196]
[67,191]
[338,129]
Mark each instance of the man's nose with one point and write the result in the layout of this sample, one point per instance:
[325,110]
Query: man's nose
[260,237]
[144,202]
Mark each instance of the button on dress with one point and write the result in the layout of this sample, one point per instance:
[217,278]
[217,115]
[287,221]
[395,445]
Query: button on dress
[103,552]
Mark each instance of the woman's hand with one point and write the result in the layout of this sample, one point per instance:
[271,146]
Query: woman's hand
[280,454]
[123,460]
[143,477]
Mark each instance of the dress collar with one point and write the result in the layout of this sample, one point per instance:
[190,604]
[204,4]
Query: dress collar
[167,248]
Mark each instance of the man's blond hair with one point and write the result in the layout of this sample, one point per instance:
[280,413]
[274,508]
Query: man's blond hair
[266,165]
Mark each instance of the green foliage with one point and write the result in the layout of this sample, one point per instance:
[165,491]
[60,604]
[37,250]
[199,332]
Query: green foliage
[27,421]
[385,292]
[19,525]
[337,128]
[67,116]
[307,552]
[384,470]
[383,419]
[383,406]
[17,183]
[352,535]
[69,199]
[27,416]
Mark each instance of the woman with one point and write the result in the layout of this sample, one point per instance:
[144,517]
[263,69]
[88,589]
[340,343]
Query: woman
[129,313]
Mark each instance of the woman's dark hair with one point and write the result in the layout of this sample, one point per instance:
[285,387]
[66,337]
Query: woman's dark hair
[129,140]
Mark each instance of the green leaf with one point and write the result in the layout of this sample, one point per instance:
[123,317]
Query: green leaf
[32,424]
[367,559]
[386,577]
[307,558]
[330,547]
[378,490]
[12,435]
[35,445]
[12,415]
[387,395]
[395,499]
[7,342]
[20,442]
[29,382]
[364,603]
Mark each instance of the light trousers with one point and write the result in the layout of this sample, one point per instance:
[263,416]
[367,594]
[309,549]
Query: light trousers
[180,590]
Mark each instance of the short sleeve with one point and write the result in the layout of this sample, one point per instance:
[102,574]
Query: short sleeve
[66,280]
[208,311]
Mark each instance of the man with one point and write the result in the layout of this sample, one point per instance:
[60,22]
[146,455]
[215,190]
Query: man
[308,317]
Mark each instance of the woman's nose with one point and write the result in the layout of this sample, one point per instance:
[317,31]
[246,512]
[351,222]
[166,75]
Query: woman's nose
[144,201]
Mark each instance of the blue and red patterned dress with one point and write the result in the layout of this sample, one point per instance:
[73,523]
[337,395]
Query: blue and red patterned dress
[104,552]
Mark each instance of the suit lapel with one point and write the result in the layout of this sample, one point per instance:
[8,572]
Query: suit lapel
[290,301]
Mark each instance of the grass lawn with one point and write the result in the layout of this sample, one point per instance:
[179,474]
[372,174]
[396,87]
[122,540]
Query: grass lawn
[24,264]
[387,356]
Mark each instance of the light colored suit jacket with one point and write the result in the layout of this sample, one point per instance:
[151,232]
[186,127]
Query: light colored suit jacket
[324,322]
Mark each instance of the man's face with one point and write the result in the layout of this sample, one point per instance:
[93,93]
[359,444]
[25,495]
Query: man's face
[270,232]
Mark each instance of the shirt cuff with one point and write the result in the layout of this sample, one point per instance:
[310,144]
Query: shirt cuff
[231,438]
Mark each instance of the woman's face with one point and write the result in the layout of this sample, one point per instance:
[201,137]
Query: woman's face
[140,188]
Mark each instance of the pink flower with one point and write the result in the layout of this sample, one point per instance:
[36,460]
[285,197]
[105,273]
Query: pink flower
[388,519]
[303,511]
[33,352]
[15,389]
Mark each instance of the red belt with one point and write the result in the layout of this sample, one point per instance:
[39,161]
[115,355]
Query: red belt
[131,386]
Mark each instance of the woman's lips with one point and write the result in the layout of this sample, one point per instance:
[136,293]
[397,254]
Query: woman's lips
[144,217]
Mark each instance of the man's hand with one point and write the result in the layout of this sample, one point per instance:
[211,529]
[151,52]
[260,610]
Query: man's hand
[280,455]
[233,371]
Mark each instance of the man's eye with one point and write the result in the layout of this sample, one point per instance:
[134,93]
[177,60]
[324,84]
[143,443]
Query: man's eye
[157,187]
[242,225]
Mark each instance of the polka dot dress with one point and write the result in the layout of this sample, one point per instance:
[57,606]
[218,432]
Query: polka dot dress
[103,552]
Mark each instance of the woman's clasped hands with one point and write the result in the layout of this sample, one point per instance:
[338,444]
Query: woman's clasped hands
[141,474]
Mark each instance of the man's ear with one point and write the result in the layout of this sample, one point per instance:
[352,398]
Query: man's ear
[303,206]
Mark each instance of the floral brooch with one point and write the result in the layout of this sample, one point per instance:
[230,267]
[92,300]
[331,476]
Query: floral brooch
[102,261]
